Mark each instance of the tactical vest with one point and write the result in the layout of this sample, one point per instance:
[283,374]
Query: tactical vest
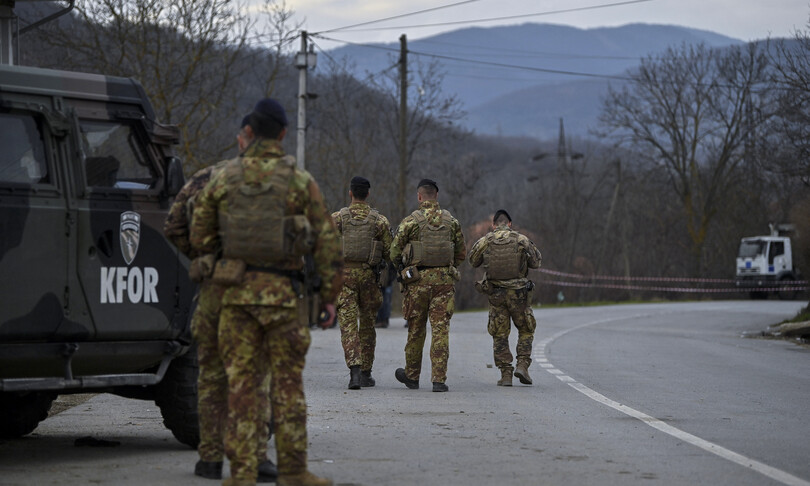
[255,228]
[359,244]
[434,247]
[503,258]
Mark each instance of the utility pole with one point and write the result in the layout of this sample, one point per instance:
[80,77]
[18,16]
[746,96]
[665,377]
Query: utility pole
[403,121]
[303,61]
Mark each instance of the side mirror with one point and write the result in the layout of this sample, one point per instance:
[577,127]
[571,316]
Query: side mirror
[175,180]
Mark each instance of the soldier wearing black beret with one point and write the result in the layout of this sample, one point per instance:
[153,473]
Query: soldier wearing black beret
[366,238]
[429,247]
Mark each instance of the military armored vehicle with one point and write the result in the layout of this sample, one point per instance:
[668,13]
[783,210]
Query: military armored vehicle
[93,298]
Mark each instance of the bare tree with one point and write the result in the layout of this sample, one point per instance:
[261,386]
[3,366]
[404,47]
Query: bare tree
[690,112]
[191,56]
[429,109]
[791,79]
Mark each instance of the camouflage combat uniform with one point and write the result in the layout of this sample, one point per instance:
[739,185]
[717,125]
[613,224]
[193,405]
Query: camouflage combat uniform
[430,297]
[212,384]
[360,297]
[510,298]
[264,323]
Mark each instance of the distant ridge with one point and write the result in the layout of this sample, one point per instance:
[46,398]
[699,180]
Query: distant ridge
[530,101]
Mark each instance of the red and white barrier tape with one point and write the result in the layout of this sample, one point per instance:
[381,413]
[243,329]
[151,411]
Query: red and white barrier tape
[669,289]
[648,279]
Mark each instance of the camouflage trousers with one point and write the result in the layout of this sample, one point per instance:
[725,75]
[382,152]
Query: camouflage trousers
[254,341]
[506,304]
[359,300]
[421,302]
[212,384]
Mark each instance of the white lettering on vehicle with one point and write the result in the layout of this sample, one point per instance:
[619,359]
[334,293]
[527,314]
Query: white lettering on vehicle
[139,285]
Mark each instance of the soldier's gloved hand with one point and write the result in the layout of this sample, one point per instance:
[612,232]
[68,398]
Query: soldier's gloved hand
[327,317]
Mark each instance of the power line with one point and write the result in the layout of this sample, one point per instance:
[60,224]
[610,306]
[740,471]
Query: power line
[369,77]
[399,16]
[491,19]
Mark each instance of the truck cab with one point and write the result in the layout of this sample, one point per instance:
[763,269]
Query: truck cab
[765,265]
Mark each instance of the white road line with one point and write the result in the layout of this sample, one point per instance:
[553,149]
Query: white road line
[762,468]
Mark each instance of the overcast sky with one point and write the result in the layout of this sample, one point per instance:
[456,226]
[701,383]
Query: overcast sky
[741,19]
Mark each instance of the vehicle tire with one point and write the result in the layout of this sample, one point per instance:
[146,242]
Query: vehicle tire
[20,413]
[176,395]
[787,294]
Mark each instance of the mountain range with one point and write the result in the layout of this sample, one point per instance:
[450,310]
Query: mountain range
[521,80]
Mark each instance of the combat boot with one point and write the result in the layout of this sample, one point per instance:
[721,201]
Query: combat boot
[506,377]
[355,378]
[366,380]
[208,470]
[305,478]
[267,472]
[439,387]
[399,374]
[522,373]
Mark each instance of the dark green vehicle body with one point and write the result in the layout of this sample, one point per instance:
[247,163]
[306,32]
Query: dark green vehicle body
[93,297]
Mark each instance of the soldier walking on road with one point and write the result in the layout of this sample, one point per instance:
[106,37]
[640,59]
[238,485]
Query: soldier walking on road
[264,215]
[507,256]
[212,384]
[366,237]
[428,247]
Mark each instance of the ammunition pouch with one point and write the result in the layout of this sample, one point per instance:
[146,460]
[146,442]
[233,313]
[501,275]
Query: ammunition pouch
[229,272]
[383,274]
[410,275]
[299,239]
[202,267]
[483,286]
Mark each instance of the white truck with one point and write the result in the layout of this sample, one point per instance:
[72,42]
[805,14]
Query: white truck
[765,265]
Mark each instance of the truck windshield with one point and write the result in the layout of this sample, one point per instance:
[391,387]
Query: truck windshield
[752,248]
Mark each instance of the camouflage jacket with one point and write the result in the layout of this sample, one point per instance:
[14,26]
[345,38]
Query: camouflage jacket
[408,230]
[178,222]
[533,257]
[360,210]
[303,197]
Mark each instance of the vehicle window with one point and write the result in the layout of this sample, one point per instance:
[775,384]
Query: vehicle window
[114,158]
[777,249]
[22,159]
[752,248]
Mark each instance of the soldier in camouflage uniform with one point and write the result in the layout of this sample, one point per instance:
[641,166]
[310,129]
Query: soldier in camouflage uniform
[428,247]
[212,384]
[507,256]
[264,215]
[366,237]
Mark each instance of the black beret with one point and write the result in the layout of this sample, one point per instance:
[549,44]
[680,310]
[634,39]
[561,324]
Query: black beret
[358,181]
[271,108]
[245,121]
[500,212]
[428,182]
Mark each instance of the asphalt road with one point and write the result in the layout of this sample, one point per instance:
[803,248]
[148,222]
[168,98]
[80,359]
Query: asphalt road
[666,394]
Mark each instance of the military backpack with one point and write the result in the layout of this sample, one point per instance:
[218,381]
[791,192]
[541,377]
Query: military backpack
[503,258]
[434,246]
[359,244]
[256,228]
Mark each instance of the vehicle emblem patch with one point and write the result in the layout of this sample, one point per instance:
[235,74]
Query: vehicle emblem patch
[130,235]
